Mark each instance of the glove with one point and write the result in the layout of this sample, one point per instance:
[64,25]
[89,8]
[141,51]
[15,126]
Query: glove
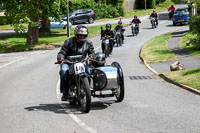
[60,60]
[91,56]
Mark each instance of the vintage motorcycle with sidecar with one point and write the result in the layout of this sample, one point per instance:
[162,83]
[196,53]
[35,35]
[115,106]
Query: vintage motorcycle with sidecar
[83,84]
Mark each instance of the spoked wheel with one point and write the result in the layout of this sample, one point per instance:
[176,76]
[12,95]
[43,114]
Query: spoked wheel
[106,51]
[85,95]
[132,31]
[119,93]
[117,41]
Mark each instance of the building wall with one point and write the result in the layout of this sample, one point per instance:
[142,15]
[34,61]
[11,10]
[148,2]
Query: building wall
[130,5]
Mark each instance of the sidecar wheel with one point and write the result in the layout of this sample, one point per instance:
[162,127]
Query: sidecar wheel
[85,97]
[121,90]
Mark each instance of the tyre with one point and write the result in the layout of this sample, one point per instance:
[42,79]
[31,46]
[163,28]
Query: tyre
[132,31]
[65,27]
[72,22]
[85,95]
[174,24]
[117,41]
[120,92]
[106,51]
[91,20]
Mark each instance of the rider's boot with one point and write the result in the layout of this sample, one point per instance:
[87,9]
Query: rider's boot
[64,97]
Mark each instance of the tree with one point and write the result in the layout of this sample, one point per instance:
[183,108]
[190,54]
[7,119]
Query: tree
[29,11]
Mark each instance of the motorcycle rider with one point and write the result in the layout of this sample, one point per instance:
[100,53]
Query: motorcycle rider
[154,15]
[77,45]
[172,8]
[121,28]
[136,21]
[108,32]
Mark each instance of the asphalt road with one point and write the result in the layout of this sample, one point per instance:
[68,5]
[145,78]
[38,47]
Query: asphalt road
[29,100]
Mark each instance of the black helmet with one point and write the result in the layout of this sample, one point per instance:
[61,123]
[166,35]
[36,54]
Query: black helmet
[119,22]
[135,16]
[108,25]
[99,59]
[81,33]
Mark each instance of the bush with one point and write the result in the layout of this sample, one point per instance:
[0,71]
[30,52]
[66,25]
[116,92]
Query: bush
[195,28]
[150,4]
[5,20]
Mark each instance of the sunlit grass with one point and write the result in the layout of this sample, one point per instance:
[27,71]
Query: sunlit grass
[57,37]
[187,77]
[156,49]
[192,49]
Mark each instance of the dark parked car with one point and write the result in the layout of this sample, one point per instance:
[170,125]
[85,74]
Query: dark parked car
[81,16]
[181,16]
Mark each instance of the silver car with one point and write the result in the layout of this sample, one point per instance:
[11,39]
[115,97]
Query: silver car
[57,24]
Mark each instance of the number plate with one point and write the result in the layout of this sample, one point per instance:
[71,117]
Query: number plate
[79,68]
[118,32]
[107,41]
[181,20]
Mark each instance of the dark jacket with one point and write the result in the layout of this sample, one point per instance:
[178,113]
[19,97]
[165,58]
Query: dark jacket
[136,21]
[107,33]
[72,47]
[154,15]
[118,27]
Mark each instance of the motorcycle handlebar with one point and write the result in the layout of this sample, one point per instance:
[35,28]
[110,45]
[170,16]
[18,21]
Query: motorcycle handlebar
[71,62]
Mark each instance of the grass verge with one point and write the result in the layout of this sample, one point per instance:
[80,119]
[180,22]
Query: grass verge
[17,42]
[190,49]
[10,27]
[188,77]
[155,50]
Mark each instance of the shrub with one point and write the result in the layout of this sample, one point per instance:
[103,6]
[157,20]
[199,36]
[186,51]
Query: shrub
[5,20]
[195,28]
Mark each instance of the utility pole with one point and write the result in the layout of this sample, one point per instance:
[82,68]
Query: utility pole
[145,2]
[68,32]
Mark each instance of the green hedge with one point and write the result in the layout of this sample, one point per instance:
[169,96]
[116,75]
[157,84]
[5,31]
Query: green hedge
[195,28]
[150,3]
[4,20]
[102,8]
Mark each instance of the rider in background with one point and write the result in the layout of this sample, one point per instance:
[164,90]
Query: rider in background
[110,33]
[172,8]
[154,15]
[121,28]
[136,21]
[78,45]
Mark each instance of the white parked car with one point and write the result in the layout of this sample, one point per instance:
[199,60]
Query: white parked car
[57,24]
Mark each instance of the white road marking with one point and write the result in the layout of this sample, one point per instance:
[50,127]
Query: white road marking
[12,62]
[74,117]
[37,53]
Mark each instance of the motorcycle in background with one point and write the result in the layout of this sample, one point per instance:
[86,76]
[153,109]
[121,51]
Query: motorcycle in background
[119,38]
[135,29]
[171,13]
[105,46]
[153,22]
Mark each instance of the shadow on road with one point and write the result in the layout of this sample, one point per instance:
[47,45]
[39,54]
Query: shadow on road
[66,108]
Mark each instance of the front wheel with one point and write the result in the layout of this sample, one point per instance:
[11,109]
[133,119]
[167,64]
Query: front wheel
[106,51]
[132,31]
[85,95]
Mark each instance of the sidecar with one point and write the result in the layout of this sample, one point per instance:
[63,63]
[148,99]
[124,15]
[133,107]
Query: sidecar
[108,81]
